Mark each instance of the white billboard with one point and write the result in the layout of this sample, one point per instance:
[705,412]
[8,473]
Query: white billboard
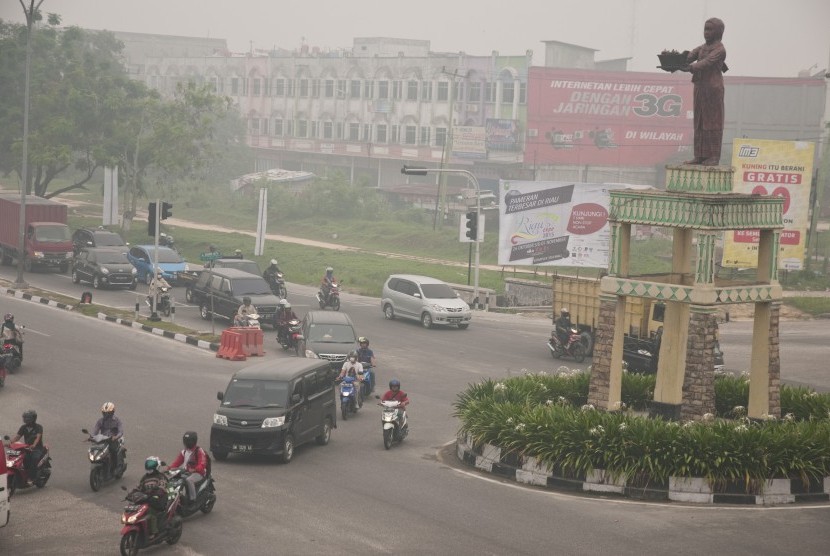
[554,223]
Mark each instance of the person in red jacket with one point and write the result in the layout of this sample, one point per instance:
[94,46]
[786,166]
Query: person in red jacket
[193,460]
[395,394]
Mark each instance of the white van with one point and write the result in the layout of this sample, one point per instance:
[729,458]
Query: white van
[424,299]
[4,490]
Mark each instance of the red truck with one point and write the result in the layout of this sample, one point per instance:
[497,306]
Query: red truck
[48,242]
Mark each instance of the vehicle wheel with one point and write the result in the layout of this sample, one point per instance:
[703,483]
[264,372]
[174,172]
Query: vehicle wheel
[336,304]
[387,438]
[96,282]
[121,470]
[325,436]
[129,544]
[75,278]
[188,295]
[344,411]
[389,312]
[426,320]
[176,532]
[27,264]
[297,349]
[4,257]
[287,449]
[134,285]
[579,353]
[148,278]
[219,455]
[207,507]
[203,310]
[2,381]
[283,292]
[322,304]
[464,326]
[587,342]
[556,352]
[95,478]
[12,484]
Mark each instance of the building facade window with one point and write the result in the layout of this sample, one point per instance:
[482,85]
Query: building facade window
[338,130]
[329,88]
[424,135]
[395,138]
[440,136]
[302,128]
[383,89]
[303,87]
[489,92]
[368,89]
[380,133]
[354,89]
[257,87]
[254,126]
[278,127]
[397,90]
[289,88]
[354,131]
[341,88]
[411,136]
[279,88]
[235,86]
[443,94]
[367,132]
[328,130]
[314,128]
[426,90]
[412,90]
[474,92]
[507,91]
[315,88]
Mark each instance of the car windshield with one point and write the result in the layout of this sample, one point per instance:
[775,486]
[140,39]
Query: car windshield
[113,257]
[250,286]
[331,333]
[256,393]
[165,255]
[244,266]
[52,234]
[108,240]
[438,291]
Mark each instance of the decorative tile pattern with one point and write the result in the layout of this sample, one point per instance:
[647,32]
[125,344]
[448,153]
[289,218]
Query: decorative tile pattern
[699,179]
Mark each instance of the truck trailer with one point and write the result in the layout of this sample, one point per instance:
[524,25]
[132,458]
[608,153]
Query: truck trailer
[47,240]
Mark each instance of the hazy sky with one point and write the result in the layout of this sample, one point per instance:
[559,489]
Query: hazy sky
[773,38]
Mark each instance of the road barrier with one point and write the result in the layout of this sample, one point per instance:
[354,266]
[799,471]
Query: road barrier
[230,346]
[252,340]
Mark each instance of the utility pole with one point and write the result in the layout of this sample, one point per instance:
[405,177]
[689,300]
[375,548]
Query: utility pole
[446,153]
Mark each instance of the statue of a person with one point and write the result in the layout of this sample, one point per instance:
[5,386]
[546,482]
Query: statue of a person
[707,65]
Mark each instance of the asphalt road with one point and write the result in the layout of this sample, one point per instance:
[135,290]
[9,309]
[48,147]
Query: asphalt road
[351,496]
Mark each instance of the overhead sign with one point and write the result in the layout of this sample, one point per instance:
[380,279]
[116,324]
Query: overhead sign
[212,256]
[779,168]
[469,142]
[554,223]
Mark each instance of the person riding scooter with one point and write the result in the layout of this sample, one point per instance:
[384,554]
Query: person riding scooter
[367,358]
[244,311]
[111,426]
[194,462]
[154,485]
[284,315]
[32,434]
[563,326]
[156,288]
[270,274]
[395,394]
[11,333]
[351,367]
[326,283]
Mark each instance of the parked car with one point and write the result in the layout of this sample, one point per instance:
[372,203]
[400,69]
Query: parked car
[328,335]
[170,262]
[100,237]
[424,299]
[189,278]
[271,409]
[104,267]
[220,292]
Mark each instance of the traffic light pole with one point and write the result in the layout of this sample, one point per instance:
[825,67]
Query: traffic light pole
[416,171]
[153,314]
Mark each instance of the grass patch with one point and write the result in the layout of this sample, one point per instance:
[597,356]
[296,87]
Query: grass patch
[811,305]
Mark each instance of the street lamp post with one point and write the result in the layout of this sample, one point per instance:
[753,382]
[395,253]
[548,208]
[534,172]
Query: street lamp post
[418,171]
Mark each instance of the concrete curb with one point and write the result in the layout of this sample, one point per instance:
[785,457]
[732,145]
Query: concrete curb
[527,470]
[184,338]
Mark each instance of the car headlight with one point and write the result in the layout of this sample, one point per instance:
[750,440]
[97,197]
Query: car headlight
[69,255]
[220,420]
[311,355]
[38,254]
[133,271]
[105,270]
[438,308]
[273,422]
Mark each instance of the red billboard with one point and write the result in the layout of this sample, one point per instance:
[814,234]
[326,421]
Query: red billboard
[607,118]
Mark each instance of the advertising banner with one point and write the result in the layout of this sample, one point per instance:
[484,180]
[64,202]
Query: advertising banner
[781,168]
[469,142]
[554,223]
[607,118]
[502,134]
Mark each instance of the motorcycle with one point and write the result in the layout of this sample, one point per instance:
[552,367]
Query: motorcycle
[333,298]
[368,384]
[164,302]
[14,358]
[18,477]
[289,335]
[276,281]
[100,458]
[395,424]
[135,534]
[166,240]
[574,348]
[251,320]
[205,493]
[350,400]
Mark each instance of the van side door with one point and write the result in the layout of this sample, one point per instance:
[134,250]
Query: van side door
[314,407]
[410,305]
[298,410]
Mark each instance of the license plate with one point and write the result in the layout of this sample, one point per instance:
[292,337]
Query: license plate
[454,320]
[242,447]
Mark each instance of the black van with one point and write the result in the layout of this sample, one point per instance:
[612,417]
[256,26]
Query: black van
[274,406]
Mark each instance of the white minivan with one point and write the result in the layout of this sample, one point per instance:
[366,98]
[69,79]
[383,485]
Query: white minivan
[424,299]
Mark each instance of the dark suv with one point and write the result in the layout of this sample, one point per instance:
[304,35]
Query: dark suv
[328,335]
[220,292]
[103,267]
[100,237]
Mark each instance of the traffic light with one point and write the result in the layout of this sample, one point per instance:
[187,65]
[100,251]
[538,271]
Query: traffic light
[472,225]
[151,220]
[166,210]
[413,170]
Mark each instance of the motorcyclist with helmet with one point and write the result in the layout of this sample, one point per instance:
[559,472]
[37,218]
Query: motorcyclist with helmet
[32,434]
[270,275]
[156,288]
[352,367]
[112,427]
[154,485]
[326,283]
[563,326]
[246,309]
[366,357]
[285,314]
[11,333]
[193,460]
[395,394]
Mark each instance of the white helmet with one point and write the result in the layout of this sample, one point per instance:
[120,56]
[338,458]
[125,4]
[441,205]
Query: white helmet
[284,302]
[287,305]
[274,262]
[108,407]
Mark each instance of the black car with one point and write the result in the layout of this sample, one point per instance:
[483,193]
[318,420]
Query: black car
[328,335]
[220,292]
[104,267]
[85,237]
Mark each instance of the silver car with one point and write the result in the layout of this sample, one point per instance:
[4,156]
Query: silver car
[424,299]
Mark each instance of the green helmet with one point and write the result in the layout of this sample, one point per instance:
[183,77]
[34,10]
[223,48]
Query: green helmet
[152,464]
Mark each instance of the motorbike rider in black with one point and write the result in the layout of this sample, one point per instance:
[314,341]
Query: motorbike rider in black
[326,282]
[10,333]
[285,314]
[563,326]
[32,434]
[154,485]
[271,272]
[111,426]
